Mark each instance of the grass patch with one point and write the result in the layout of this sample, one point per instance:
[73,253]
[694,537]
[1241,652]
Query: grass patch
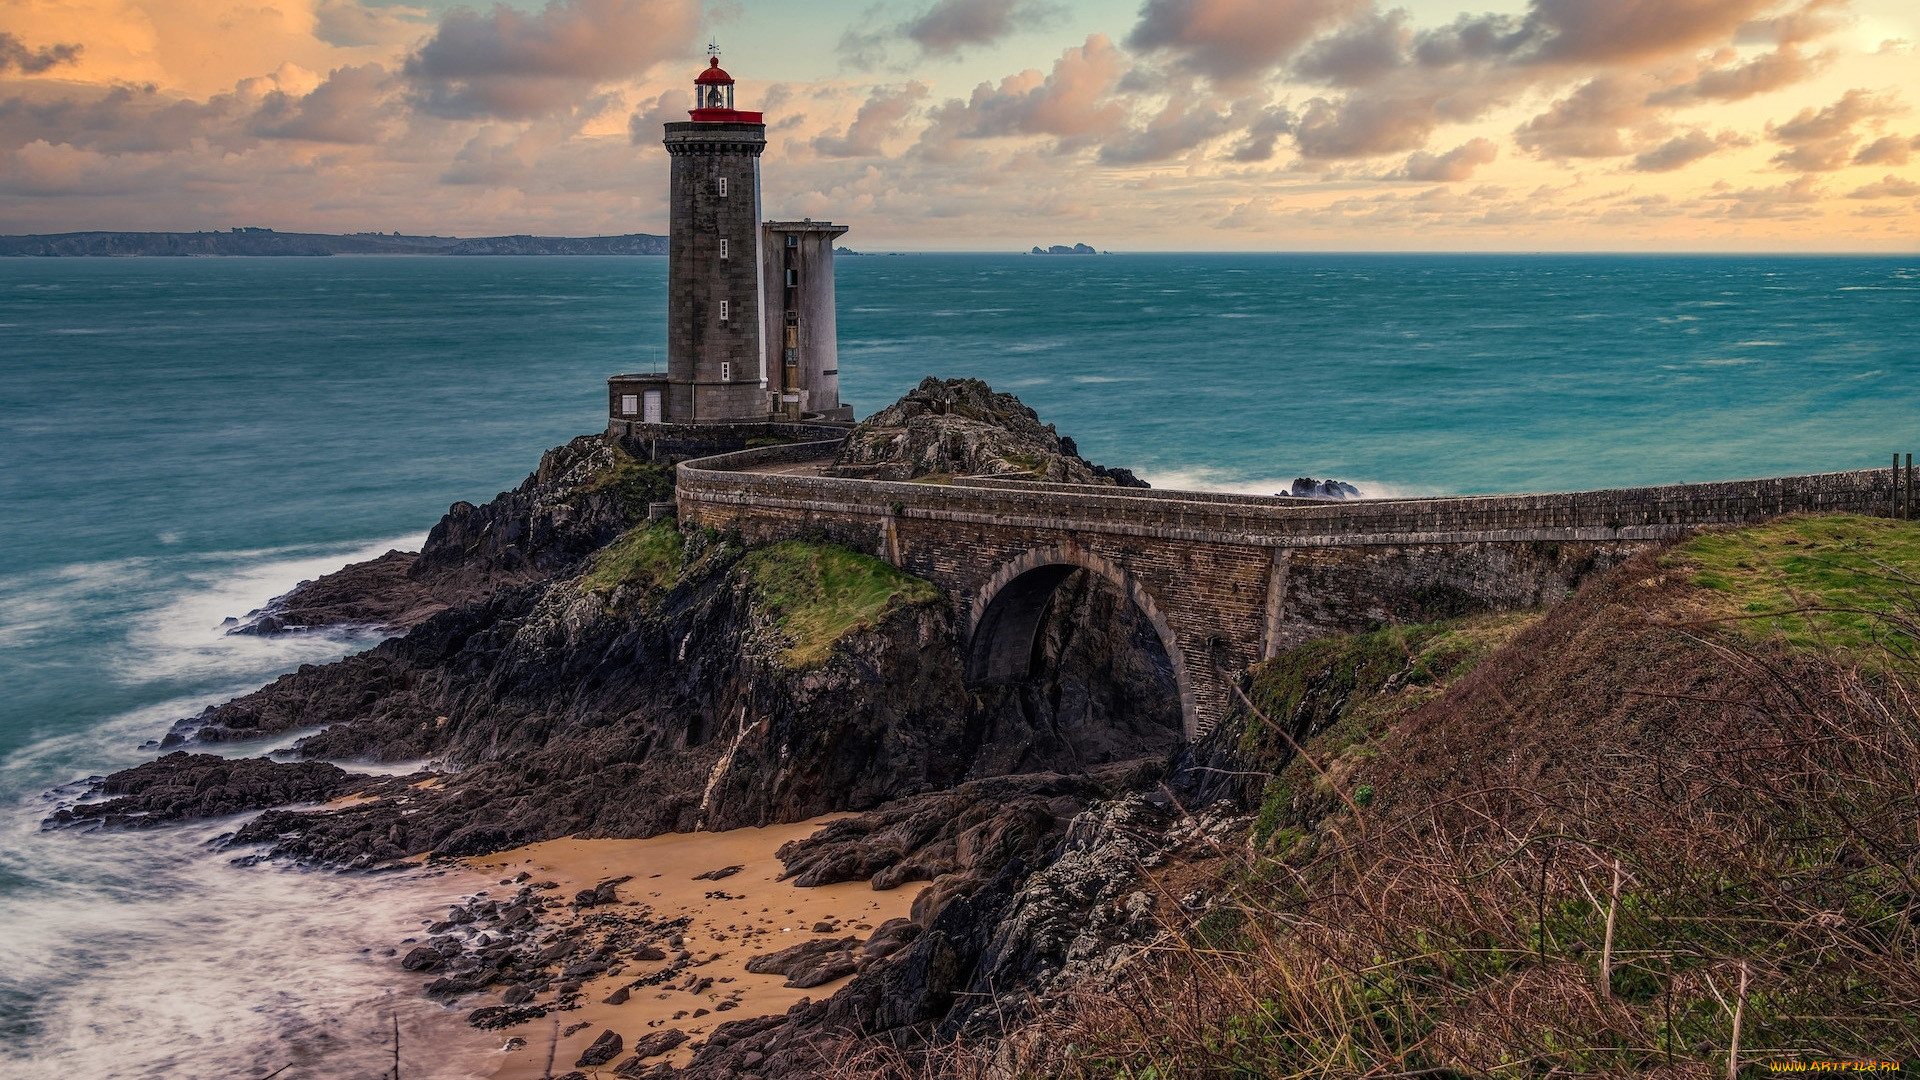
[1835,581]
[634,484]
[820,593]
[648,556]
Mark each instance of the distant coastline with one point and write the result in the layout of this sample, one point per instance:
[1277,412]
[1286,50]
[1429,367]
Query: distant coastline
[254,241]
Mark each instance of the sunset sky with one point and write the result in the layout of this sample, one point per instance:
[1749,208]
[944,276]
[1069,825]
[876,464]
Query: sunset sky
[1666,125]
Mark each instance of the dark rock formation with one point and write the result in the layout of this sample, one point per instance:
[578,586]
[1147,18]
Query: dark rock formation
[604,1049]
[960,427]
[1306,487]
[185,787]
[810,963]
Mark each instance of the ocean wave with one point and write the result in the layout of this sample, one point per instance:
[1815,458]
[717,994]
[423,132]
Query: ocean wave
[145,955]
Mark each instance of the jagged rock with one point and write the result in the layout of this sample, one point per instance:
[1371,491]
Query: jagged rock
[1306,487]
[809,963]
[422,958]
[185,787]
[891,936]
[961,427]
[604,1049]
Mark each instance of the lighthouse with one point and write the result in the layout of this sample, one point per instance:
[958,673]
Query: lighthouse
[751,334]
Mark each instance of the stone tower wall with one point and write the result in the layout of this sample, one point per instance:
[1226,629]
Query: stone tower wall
[699,342]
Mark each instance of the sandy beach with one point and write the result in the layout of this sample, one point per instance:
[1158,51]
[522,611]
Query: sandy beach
[729,919]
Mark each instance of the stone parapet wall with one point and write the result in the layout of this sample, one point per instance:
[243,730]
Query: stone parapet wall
[1649,513]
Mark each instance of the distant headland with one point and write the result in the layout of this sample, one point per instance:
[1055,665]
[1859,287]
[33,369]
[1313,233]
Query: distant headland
[258,241]
[1062,249]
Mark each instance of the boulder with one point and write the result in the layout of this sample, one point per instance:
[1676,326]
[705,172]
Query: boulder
[604,1049]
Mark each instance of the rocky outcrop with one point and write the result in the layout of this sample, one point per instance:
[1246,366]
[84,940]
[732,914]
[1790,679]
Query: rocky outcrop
[1306,487]
[186,787]
[960,427]
[1043,881]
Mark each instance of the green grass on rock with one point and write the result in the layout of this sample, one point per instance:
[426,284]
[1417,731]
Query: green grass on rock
[647,556]
[823,592]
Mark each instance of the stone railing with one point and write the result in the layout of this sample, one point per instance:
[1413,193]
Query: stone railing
[728,485]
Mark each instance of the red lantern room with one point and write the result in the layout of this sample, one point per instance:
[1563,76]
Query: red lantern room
[713,98]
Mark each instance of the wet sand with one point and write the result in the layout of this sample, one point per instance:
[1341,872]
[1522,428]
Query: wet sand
[739,916]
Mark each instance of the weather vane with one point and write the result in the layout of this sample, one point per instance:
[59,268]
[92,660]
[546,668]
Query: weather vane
[713,48]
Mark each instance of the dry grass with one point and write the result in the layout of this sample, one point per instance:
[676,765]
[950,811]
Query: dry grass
[1635,838]
[1760,807]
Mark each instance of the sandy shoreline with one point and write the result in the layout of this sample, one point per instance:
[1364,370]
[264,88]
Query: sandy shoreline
[745,913]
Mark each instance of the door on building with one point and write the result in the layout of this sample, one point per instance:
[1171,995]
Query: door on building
[651,408]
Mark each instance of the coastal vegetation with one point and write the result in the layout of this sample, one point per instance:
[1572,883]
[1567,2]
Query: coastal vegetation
[645,556]
[1836,581]
[1627,842]
[819,593]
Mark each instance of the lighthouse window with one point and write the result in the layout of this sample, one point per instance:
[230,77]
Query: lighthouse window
[723,311]
[723,187]
[793,278]
[726,371]
[629,404]
[723,249]
[793,241]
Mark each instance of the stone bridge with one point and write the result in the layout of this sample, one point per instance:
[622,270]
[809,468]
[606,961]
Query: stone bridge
[1226,580]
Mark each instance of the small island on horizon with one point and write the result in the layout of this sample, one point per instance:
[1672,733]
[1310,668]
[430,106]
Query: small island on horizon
[1063,249]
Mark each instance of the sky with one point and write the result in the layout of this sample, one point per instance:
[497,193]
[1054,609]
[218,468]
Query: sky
[1133,125]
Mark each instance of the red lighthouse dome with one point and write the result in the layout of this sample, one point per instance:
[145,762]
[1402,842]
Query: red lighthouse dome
[713,98]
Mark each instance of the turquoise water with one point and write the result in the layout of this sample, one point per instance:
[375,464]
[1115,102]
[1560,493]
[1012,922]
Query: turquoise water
[184,439]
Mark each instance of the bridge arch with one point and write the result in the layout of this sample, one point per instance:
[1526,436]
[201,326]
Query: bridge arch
[1008,609]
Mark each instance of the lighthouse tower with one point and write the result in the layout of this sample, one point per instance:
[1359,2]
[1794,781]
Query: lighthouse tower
[715,363]
[751,335]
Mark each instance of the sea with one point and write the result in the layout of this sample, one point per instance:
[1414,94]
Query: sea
[183,439]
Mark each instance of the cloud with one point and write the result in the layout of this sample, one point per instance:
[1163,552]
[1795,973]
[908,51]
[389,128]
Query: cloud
[1794,199]
[1822,140]
[646,127]
[1358,54]
[15,56]
[1587,123]
[1264,132]
[1072,103]
[1625,31]
[1888,187]
[352,106]
[877,121]
[1810,20]
[950,25]
[1769,71]
[119,120]
[1887,150]
[516,66]
[1683,150]
[1234,40]
[1456,164]
[1177,128]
